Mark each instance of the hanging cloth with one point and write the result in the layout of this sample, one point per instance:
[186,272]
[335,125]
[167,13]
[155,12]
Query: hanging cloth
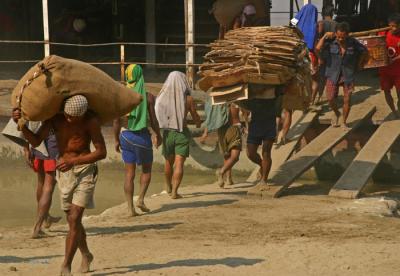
[216,115]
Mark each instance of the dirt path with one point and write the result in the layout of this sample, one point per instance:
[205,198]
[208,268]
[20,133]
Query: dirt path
[223,232]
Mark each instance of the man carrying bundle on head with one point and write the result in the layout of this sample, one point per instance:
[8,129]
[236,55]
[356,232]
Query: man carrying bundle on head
[172,106]
[135,138]
[262,130]
[77,169]
[225,120]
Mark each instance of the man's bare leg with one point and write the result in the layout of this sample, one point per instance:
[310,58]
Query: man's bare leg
[287,122]
[87,257]
[398,102]
[390,101]
[177,176]
[336,117]
[221,176]
[267,160]
[228,178]
[47,188]
[145,179]
[169,171]
[253,155]
[76,238]
[229,162]
[346,108]
[129,187]
[314,88]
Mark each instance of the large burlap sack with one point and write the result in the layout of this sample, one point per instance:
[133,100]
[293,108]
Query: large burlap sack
[225,11]
[42,90]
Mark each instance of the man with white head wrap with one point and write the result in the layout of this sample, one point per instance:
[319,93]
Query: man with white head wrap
[172,106]
[75,130]
[76,106]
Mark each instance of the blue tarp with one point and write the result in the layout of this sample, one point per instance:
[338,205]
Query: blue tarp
[306,21]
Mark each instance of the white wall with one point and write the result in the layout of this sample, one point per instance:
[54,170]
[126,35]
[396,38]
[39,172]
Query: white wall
[284,6]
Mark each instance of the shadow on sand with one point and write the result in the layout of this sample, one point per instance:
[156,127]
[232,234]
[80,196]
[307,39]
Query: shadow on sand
[38,259]
[230,261]
[94,231]
[226,192]
[196,204]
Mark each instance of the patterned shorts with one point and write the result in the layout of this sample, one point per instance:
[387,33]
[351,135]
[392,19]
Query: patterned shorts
[332,89]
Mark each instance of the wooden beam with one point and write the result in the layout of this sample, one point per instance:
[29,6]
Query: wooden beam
[360,170]
[122,62]
[189,39]
[46,35]
[150,30]
[311,153]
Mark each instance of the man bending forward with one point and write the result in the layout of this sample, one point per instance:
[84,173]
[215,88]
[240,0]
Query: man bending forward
[77,170]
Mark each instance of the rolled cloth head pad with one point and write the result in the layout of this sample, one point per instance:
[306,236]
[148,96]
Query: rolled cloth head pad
[76,106]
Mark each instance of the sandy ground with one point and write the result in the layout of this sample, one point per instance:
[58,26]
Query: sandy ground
[223,232]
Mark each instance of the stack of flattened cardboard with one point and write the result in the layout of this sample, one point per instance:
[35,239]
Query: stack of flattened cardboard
[271,56]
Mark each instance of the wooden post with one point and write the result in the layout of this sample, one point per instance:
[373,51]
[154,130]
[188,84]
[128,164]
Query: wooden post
[189,39]
[122,61]
[150,30]
[46,35]
[363,7]
[268,3]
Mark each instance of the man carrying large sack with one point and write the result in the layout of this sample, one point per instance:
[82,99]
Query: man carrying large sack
[77,169]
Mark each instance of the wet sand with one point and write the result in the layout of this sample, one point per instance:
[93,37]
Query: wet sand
[18,187]
[223,232]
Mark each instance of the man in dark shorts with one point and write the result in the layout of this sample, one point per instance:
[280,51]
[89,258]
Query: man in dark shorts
[343,56]
[75,130]
[262,132]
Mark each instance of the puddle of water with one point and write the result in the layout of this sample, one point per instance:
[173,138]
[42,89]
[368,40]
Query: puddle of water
[18,186]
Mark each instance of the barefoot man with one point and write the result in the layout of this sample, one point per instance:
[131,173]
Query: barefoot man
[262,130]
[390,75]
[135,139]
[74,130]
[45,167]
[225,120]
[342,56]
[172,106]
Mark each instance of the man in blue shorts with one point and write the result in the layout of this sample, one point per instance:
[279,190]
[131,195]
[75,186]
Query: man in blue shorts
[135,139]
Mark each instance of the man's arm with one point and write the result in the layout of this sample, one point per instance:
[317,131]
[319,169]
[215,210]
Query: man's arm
[193,112]
[117,130]
[33,138]
[153,119]
[321,43]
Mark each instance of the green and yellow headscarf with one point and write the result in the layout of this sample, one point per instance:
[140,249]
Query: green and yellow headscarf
[134,80]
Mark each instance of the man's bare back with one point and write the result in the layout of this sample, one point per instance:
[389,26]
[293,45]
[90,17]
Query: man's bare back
[73,138]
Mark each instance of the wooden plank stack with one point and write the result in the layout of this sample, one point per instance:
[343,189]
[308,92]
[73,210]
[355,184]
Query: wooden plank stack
[262,55]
